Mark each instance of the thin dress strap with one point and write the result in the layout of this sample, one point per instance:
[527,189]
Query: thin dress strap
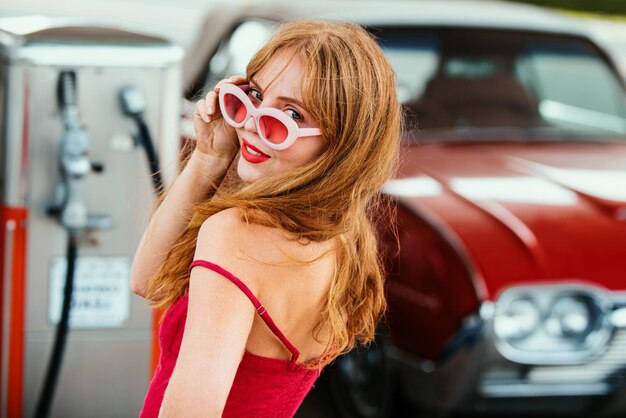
[259,307]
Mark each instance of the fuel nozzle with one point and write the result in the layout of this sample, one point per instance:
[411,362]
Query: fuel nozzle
[133,104]
[132,101]
[74,162]
[75,141]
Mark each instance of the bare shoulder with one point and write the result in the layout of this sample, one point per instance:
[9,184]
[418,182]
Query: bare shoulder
[223,222]
[255,252]
[222,240]
[228,231]
[244,248]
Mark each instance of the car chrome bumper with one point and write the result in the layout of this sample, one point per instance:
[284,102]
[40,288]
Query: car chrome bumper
[472,375]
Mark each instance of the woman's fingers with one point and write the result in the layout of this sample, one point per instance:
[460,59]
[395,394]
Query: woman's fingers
[201,110]
[207,107]
[210,103]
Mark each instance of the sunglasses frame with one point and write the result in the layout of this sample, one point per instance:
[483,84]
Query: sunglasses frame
[293,130]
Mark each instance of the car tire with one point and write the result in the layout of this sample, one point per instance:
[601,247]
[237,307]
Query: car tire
[361,383]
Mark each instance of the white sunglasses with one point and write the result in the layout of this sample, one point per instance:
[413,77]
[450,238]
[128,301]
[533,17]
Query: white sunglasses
[276,129]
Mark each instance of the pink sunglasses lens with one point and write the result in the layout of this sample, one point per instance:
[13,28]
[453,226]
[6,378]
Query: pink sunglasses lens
[234,108]
[272,129]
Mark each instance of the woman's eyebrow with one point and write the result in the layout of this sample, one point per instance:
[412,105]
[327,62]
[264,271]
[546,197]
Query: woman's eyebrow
[253,81]
[283,98]
[291,99]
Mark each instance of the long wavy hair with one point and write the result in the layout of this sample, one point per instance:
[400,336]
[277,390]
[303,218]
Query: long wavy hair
[349,88]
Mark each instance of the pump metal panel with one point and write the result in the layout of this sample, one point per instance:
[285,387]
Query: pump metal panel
[106,367]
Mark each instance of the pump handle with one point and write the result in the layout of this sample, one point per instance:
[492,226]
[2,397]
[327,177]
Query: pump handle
[66,89]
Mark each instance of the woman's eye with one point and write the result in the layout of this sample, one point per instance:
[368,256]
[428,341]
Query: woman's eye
[255,95]
[293,114]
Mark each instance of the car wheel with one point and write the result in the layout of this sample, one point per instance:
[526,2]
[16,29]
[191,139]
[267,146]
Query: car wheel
[361,383]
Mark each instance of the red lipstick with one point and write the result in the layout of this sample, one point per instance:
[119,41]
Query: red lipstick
[251,157]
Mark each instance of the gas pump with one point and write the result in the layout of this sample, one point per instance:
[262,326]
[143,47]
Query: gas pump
[71,212]
[71,95]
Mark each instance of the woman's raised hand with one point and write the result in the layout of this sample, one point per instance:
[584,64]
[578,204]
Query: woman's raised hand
[213,135]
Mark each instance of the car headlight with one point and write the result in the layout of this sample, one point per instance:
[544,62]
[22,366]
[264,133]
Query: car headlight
[552,324]
[571,317]
[518,319]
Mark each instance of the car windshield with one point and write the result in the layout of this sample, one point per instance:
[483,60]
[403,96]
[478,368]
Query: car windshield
[478,84]
[471,84]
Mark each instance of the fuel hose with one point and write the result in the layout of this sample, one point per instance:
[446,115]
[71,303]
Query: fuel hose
[73,146]
[56,358]
[133,104]
[151,155]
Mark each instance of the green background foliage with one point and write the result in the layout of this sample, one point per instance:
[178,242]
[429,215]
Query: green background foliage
[614,7]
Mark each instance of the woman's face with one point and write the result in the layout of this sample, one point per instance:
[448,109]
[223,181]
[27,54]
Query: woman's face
[277,85]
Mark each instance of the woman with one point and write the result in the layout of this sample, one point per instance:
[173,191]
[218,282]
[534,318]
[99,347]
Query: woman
[314,130]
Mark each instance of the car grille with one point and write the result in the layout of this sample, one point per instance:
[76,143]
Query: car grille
[605,367]
[601,376]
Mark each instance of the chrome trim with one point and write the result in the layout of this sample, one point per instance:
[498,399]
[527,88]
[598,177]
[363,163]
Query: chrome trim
[618,318]
[9,243]
[487,310]
[29,26]
[100,55]
[595,343]
[15,177]
[599,369]
[526,390]
[4,114]
[168,135]
[597,377]
[27,39]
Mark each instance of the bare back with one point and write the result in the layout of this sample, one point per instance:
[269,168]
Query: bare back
[294,281]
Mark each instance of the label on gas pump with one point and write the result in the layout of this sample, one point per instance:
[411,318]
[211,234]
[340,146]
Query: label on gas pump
[101,296]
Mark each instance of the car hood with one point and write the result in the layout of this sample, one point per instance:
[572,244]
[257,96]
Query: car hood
[528,213]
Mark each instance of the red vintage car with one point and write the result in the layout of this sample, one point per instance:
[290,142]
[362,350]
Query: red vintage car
[508,290]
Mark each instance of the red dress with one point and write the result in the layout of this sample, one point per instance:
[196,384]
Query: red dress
[263,386]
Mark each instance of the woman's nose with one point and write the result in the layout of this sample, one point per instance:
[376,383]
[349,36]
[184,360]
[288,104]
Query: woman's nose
[250,126]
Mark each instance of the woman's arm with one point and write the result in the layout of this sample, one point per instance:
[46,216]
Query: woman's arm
[216,145]
[219,320]
[196,182]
